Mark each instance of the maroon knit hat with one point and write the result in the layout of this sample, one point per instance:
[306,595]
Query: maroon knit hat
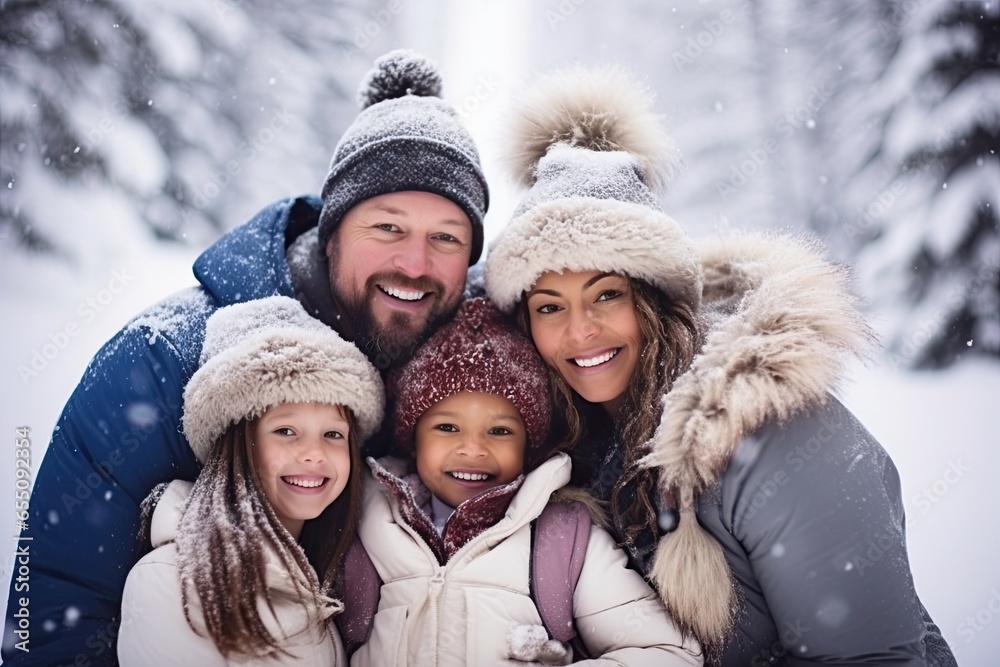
[480,350]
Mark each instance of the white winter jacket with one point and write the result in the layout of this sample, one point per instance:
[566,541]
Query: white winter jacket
[154,631]
[463,612]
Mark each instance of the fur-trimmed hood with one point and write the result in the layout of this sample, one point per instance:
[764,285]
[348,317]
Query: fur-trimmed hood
[778,323]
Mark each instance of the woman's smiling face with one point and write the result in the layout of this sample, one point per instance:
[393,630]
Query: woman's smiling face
[586,327]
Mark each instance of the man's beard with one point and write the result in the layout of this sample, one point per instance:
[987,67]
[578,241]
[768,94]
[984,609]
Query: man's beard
[392,344]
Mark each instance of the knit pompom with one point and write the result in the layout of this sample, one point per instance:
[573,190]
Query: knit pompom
[599,109]
[397,74]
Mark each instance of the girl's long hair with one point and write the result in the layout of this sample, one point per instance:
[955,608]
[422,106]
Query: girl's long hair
[226,530]
[671,338]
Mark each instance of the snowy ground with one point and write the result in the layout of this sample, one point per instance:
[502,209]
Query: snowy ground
[940,428]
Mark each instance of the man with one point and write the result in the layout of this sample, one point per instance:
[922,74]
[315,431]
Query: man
[381,258]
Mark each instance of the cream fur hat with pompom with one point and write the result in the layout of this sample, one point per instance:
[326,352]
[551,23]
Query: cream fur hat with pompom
[270,351]
[595,157]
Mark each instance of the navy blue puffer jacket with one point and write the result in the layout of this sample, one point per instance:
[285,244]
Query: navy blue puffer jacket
[118,436]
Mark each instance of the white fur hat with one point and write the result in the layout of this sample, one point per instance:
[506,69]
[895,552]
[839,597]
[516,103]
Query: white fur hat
[262,353]
[594,155]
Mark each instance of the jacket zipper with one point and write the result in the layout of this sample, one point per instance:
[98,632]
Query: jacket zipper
[437,589]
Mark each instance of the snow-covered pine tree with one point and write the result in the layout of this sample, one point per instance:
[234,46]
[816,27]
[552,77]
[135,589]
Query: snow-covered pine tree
[162,108]
[931,233]
[835,52]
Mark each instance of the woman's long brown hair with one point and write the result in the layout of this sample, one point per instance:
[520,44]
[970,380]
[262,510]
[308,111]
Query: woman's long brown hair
[670,337]
[227,528]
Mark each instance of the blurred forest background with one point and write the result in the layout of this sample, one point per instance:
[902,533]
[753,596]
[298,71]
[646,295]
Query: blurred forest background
[134,132]
[872,122]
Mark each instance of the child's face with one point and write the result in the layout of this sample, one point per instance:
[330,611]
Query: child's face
[467,443]
[303,457]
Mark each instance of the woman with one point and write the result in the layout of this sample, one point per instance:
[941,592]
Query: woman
[697,380]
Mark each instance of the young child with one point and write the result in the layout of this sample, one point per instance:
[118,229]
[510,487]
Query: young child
[448,527]
[245,557]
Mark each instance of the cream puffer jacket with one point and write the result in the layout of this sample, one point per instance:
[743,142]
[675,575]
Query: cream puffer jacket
[470,610]
[154,630]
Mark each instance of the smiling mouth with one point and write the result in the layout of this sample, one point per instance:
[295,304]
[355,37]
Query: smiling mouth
[598,360]
[402,294]
[471,476]
[305,483]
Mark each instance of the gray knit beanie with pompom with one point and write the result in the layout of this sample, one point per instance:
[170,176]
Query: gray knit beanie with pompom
[405,138]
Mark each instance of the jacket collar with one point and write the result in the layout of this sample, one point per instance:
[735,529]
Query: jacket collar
[310,272]
[249,262]
[779,323]
[518,502]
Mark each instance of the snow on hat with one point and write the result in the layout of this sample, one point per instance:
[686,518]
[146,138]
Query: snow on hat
[594,155]
[478,351]
[405,138]
[266,352]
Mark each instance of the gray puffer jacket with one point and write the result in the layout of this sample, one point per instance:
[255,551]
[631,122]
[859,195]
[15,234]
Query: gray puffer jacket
[790,512]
